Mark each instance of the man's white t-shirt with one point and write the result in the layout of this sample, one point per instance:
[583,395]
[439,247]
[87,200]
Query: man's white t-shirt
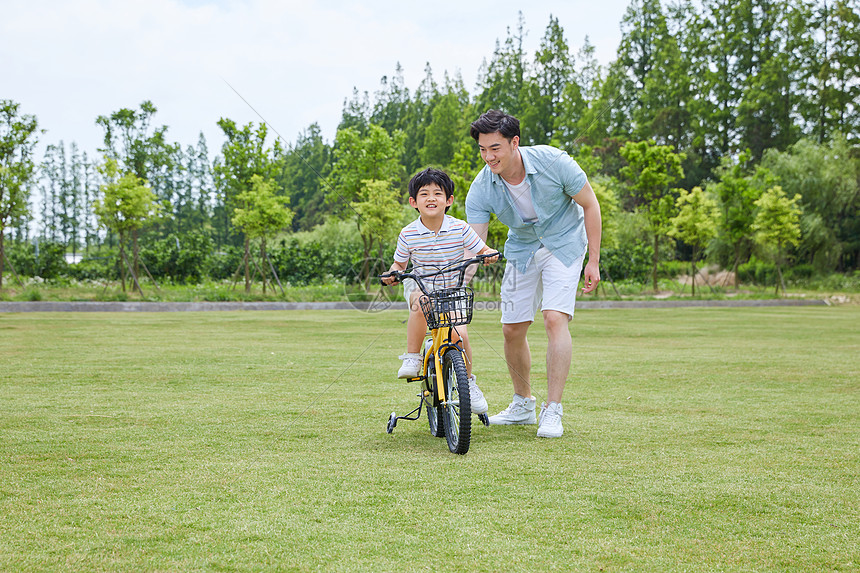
[521,195]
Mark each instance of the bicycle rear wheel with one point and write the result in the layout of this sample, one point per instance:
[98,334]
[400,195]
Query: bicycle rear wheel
[434,413]
[458,410]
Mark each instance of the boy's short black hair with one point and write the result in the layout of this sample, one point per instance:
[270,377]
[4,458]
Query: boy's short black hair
[495,121]
[429,176]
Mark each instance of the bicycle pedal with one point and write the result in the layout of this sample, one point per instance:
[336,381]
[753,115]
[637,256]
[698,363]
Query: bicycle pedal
[416,379]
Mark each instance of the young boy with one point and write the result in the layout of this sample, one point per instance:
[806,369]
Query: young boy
[434,239]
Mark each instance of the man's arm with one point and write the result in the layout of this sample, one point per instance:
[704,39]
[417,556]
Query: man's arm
[593,229]
[481,229]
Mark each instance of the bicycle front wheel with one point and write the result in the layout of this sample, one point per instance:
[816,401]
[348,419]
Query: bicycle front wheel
[458,407]
[435,414]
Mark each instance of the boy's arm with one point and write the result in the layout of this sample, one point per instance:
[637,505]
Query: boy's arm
[395,266]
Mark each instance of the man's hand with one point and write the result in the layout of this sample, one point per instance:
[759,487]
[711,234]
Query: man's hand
[590,277]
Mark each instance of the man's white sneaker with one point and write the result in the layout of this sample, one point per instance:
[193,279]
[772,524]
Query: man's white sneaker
[520,411]
[476,397]
[550,421]
[411,365]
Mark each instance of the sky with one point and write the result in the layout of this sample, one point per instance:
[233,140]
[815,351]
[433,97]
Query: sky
[69,61]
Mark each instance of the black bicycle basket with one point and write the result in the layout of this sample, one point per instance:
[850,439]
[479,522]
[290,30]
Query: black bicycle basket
[448,307]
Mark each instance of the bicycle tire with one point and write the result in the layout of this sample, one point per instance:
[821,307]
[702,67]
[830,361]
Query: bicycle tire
[458,410]
[435,414]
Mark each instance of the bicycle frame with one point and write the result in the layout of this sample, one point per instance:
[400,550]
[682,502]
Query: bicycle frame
[441,337]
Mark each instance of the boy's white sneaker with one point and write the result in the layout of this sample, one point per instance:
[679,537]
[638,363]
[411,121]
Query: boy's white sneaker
[412,363]
[520,411]
[476,397]
[550,421]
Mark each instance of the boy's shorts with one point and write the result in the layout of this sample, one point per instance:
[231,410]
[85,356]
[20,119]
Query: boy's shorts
[546,285]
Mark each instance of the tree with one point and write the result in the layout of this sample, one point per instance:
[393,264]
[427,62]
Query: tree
[695,223]
[262,214]
[777,225]
[503,85]
[127,204]
[547,85]
[307,166]
[448,126]
[131,143]
[650,172]
[18,138]
[375,157]
[244,155]
[377,209]
[740,184]
[827,178]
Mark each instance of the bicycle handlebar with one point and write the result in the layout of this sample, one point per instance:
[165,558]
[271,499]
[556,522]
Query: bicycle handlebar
[460,266]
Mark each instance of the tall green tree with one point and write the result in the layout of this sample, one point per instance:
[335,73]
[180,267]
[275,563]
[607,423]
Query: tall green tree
[18,138]
[138,147]
[307,166]
[244,155]
[546,85]
[740,184]
[449,124]
[377,208]
[261,215]
[502,86]
[777,226]
[575,115]
[772,33]
[127,204]
[695,223]
[650,172]
[358,158]
[827,178]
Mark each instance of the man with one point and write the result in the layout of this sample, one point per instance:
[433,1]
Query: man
[553,216]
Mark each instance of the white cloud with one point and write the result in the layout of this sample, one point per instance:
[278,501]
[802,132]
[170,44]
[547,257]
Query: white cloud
[69,61]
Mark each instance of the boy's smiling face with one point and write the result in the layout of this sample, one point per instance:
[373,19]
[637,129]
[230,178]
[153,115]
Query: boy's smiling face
[431,201]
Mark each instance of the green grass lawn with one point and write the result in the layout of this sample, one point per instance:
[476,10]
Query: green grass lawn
[695,440]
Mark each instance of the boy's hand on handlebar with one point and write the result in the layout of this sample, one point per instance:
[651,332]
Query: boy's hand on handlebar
[389,278]
[490,258]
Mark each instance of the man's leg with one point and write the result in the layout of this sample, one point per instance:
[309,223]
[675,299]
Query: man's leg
[558,354]
[518,356]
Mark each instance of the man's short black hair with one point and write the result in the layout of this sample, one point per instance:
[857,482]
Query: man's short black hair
[428,177]
[496,121]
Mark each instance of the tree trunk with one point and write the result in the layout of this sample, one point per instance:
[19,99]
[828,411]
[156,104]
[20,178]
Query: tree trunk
[2,257]
[694,277]
[247,265]
[135,262]
[656,258]
[263,262]
[122,259]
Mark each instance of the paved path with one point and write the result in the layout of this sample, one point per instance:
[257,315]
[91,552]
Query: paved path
[48,306]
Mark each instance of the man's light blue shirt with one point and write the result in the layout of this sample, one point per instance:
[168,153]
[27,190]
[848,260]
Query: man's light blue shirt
[554,178]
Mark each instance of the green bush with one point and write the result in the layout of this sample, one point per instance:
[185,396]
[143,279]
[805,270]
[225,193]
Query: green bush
[631,262]
[98,267]
[223,263]
[758,272]
[45,259]
[181,257]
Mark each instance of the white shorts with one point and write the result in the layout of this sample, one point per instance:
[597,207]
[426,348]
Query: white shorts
[546,285]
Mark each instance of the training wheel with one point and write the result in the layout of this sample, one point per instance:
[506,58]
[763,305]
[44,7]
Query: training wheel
[484,418]
[392,421]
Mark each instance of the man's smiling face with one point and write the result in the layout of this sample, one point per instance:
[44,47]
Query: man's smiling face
[499,153]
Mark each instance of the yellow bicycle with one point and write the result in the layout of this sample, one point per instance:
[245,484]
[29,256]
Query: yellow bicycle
[444,382]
